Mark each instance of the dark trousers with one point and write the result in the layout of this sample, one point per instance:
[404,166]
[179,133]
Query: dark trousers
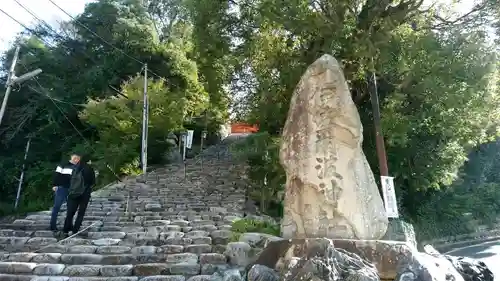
[60,196]
[75,204]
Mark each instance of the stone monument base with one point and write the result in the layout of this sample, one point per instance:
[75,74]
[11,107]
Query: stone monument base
[385,255]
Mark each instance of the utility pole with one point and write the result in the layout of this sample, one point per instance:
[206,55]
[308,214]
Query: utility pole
[203,137]
[9,86]
[13,79]
[145,113]
[21,178]
[379,137]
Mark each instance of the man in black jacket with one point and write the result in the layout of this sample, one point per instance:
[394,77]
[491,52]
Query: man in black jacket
[82,181]
[60,185]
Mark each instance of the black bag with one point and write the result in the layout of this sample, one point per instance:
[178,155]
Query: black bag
[77,183]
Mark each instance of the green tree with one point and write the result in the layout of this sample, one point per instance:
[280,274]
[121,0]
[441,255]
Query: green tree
[119,122]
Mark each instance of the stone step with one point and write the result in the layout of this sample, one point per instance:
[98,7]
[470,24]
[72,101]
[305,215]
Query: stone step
[55,251]
[187,264]
[15,277]
[175,207]
[193,241]
[116,255]
[166,215]
[140,218]
[100,270]
[213,210]
[40,230]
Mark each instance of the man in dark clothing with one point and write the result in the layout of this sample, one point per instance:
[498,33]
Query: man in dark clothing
[60,185]
[82,180]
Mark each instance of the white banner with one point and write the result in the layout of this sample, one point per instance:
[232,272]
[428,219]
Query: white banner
[390,202]
[189,140]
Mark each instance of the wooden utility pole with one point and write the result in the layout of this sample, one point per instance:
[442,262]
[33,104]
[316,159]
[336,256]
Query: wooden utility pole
[9,83]
[21,178]
[379,137]
[145,115]
[13,79]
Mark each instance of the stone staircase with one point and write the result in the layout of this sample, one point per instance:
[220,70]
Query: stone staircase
[174,226]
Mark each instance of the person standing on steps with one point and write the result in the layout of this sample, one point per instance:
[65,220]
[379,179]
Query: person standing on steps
[79,192]
[60,185]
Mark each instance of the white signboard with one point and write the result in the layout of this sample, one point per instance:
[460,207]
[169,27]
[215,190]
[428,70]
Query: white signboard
[390,202]
[189,140]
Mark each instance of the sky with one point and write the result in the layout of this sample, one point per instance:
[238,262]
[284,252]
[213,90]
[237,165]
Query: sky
[51,14]
[41,8]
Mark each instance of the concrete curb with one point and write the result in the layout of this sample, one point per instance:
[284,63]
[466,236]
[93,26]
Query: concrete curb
[467,244]
[463,244]
[463,237]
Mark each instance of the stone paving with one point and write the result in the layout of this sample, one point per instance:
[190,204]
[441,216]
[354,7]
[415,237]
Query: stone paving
[174,225]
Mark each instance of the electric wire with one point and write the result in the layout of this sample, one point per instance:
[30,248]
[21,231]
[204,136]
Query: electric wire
[34,15]
[56,35]
[14,19]
[102,39]
[53,100]
[32,31]
[35,33]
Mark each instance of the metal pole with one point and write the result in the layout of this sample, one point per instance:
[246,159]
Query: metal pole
[201,151]
[203,136]
[185,172]
[21,178]
[184,151]
[381,153]
[144,154]
[184,139]
[9,83]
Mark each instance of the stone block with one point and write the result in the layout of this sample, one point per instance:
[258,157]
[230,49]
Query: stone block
[82,270]
[149,269]
[399,230]
[117,270]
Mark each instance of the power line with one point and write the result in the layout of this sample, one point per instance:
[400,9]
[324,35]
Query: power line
[60,42]
[102,39]
[32,31]
[95,34]
[33,15]
[54,101]
[20,23]
[42,39]
[45,95]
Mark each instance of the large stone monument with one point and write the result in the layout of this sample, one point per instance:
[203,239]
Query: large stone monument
[333,210]
[330,189]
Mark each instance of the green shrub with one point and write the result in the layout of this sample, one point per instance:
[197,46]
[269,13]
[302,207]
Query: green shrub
[266,175]
[249,225]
